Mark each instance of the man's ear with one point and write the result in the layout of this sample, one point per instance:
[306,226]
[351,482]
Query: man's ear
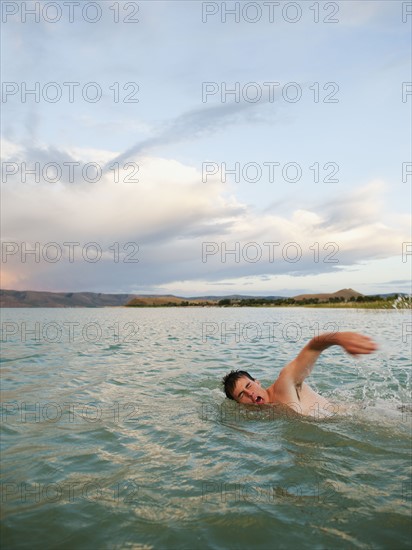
[258,383]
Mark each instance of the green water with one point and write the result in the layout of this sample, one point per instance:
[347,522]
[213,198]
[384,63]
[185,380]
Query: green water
[115,433]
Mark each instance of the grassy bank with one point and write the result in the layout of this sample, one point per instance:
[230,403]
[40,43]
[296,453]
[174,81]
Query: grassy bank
[384,304]
[357,305]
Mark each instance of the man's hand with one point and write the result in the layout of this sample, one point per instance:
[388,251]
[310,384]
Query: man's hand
[355,343]
[298,369]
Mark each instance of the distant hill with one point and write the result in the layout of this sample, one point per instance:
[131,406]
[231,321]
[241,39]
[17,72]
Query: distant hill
[168,299]
[345,293]
[32,298]
[233,297]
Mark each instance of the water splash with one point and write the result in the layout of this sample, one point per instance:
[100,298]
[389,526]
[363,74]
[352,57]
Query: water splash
[403,302]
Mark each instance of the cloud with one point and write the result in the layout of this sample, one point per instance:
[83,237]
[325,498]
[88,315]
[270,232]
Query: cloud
[201,122]
[399,282]
[173,216]
[355,209]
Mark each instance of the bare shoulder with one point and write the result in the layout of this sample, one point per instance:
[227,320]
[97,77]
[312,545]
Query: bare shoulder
[283,388]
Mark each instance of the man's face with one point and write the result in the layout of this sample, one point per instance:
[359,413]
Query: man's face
[250,392]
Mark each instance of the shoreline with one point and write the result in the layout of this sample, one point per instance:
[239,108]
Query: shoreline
[371,305]
[318,306]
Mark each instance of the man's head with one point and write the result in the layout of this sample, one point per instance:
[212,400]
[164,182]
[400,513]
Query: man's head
[243,388]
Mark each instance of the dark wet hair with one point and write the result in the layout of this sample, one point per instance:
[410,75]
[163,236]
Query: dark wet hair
[229,381]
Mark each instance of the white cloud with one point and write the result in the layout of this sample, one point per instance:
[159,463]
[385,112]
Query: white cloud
[170,212]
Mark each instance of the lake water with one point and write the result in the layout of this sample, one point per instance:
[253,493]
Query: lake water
[116,434]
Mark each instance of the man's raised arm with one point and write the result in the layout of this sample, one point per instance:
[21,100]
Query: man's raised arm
[298,369]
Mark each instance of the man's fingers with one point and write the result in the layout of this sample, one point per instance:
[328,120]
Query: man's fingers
[359,351]
[361,344]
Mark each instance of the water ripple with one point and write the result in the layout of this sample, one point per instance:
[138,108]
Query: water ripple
[132,444]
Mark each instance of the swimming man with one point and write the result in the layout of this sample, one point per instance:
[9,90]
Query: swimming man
[290,389]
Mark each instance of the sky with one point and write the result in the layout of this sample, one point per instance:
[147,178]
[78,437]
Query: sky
[206,148]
